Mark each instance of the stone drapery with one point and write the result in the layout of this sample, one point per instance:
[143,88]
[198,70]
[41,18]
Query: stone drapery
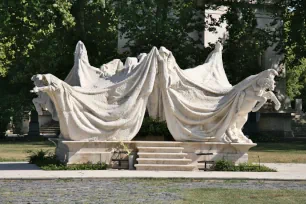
[198,104]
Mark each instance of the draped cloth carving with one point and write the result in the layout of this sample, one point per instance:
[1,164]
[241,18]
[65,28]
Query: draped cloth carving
[198,104]
[109,106]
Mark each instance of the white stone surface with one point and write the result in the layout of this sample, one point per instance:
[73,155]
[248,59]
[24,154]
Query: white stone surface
[199,104]
[286,172]
[82,74]
[73,152]
[109,106]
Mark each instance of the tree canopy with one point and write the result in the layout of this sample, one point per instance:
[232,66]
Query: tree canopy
[40,37]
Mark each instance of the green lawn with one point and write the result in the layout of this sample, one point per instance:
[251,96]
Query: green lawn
[17,151]
[293,152]
[237,196]
[267,152]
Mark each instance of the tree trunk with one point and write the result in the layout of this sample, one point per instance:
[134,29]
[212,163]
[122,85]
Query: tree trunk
[80,18]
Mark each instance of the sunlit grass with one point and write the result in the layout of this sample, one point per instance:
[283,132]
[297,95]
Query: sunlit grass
[267,152]
[17,151]
[237,196]
[279,153]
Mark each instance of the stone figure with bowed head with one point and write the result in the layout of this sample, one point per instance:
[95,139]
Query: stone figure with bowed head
[252,99]
[42,102]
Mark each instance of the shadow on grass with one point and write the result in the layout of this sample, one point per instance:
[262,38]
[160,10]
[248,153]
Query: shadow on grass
[279,147]
[18,166]
[34,143]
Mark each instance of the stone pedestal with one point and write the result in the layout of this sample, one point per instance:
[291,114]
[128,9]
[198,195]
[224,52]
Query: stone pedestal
[278,124]
[25,123]
[77,152]
[298,106]
[34,126]
[45,118]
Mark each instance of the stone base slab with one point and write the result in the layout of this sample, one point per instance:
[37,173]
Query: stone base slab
[77,152]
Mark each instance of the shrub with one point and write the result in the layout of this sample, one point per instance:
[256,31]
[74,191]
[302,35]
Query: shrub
[225,165]
[47,161]
[152,126]
[87,166]
[43,158]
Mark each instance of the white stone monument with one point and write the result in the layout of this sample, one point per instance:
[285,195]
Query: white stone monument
[98,107]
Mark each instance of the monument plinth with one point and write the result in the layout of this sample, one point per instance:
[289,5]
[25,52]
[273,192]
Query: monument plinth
[99,107]
[162,154]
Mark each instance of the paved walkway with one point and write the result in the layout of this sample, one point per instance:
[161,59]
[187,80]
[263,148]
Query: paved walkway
[155,191]
[22,170]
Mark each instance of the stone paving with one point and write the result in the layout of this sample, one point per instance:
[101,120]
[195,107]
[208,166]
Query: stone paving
[22,170]
[120,190]
[24,183]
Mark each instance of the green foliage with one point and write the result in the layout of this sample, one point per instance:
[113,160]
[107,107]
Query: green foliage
[294,45]
[48,161]
[296,78]
[165,23]
[292,35]
[96,26]
[31,41]
[245,43]
[152,126]
[87,166]
[42,158]
[225,165]
[40,37]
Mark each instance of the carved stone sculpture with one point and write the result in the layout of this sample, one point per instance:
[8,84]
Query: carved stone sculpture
[198,104]
[110,107]
[252,99]
[42,102]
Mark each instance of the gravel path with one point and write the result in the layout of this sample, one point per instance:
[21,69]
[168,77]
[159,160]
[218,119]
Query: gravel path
[120,190]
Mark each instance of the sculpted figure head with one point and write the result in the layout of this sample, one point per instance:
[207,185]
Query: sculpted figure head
[266,83]
[40,80]
[269,73]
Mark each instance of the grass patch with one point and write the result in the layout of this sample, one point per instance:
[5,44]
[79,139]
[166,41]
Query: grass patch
[237,196]
[87,166]
[294,152]
[17,150]
[235,181]
[224,165]
[47,161]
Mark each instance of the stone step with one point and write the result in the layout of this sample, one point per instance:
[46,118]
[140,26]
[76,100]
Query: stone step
[162,155]
[158,144]
[164,167]
[49,128]
[161,149]
[300,134]
[163,161]
[49,132]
